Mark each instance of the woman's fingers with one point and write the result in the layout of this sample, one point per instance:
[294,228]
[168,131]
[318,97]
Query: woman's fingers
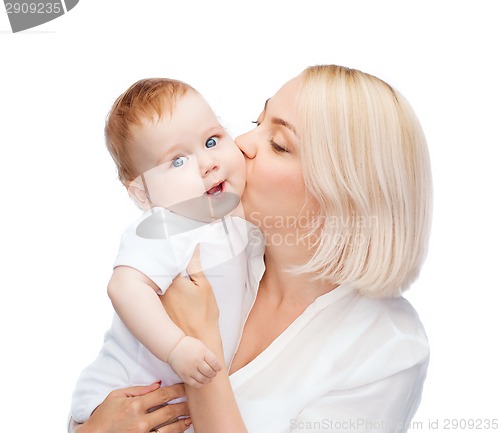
[195,269]
[164,416]
[164,395]
[135,391]
[176,427]
[139,409]
[194,266]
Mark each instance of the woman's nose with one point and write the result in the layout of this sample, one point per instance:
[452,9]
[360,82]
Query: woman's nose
[246,143]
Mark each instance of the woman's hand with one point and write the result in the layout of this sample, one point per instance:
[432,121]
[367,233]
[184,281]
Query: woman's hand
[190,302]
[140,409]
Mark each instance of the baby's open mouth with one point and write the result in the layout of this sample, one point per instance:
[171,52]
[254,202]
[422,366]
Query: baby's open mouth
[216,190]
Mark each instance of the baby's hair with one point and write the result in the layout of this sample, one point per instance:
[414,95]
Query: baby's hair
[147,99]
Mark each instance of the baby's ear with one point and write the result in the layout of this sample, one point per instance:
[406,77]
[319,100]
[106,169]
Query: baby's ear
[137,193]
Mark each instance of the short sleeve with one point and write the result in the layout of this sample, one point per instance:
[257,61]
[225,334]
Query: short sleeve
[386,405]
[155,258]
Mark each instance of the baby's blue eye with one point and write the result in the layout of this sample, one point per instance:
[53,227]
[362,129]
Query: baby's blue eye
[179,161]
[211,142]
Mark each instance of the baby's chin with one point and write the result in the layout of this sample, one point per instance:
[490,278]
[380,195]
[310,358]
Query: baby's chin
[237,188]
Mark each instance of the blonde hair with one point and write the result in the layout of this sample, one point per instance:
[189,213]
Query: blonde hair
[365,161]
[146,99]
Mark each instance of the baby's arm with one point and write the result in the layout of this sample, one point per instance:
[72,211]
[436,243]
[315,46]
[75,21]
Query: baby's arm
[135,300]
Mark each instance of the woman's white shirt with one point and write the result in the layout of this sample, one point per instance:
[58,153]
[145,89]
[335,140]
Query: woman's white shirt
[347,364]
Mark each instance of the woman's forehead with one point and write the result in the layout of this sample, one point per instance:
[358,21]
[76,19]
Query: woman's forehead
[283,104]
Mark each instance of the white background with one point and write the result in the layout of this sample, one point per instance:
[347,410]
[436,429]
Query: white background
[62,209]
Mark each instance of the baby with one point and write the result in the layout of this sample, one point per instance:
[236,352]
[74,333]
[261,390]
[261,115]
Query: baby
[184,171]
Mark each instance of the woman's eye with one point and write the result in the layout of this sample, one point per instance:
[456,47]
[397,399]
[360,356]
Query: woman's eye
[276,147]
[179,161]
[256,123]
[211,142]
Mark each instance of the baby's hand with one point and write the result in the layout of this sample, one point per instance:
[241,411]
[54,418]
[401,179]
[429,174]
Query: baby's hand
[193,362]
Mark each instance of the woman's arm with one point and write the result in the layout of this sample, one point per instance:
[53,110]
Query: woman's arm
[135,300]
[213,406]
[139,409]
[191,305]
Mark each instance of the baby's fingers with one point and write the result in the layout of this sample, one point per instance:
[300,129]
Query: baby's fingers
[207,370]
[204,375]
[212,361]
[197,380]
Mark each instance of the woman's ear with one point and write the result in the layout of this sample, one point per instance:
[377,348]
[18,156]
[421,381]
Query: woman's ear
[137,193]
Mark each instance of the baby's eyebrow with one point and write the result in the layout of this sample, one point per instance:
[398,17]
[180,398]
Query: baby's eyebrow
[213,129]
[168,154]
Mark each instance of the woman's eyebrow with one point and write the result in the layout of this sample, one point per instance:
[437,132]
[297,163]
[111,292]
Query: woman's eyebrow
[278,121]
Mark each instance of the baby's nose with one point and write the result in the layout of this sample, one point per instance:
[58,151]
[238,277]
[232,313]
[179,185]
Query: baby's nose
[207,164]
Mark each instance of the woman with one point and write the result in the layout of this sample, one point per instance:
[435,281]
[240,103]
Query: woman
[338,180]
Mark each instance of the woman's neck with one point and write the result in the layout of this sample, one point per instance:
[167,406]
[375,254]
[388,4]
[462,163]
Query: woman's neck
[286,287]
